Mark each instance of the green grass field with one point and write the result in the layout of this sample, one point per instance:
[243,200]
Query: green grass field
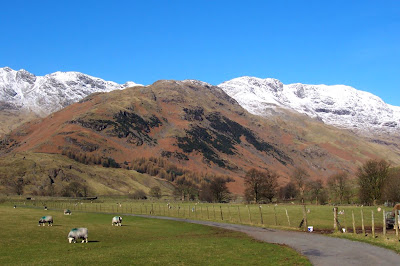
[139,241]
[286,216]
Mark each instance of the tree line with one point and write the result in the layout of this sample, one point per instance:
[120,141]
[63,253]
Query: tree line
[91,159]
[375,182]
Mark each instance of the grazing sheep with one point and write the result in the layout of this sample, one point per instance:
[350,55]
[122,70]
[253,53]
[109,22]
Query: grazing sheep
[67,212]
[46,219]
[117,220]
[78,233]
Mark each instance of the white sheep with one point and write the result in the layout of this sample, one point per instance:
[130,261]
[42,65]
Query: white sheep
[46,219]
[116,220]
[78,233]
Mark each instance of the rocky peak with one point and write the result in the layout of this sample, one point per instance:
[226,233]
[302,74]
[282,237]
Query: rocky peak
[337,105]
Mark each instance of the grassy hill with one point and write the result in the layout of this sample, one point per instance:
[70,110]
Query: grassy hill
[47,174]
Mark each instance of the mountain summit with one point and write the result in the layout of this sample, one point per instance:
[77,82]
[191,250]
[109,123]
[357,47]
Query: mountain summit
[337,105]
[42,95]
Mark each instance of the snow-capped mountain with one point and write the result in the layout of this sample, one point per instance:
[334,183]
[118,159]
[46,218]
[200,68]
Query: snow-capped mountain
[337,105]
[21,90]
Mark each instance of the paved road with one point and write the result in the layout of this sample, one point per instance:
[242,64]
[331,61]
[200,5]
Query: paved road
[319,249]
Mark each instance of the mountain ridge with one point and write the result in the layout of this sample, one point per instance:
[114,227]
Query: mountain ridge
[43,95]
[337,105]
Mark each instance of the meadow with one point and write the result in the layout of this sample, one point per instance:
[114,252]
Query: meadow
[286,216]
[140,241]
[280,216]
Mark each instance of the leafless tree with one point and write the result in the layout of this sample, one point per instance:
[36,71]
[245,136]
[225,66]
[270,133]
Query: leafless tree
[300,178]
[339,186]
[317,191]
[289,191]
[17,185]
[219,190]
[391,189]
[260,185]
[372,176]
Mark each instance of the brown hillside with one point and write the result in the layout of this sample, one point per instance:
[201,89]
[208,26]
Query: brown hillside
[196,127]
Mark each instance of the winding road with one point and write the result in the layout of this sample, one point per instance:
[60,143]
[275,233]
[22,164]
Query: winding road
[319,249]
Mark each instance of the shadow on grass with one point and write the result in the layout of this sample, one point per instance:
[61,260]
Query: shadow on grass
[93,241]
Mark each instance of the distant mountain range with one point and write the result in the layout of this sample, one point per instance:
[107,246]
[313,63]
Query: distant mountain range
[337,105]
[42,95]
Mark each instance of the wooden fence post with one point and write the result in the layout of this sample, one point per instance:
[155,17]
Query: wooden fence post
[208,214]
[201,212]
[335,225]
[220,208]
[305,218]
[362,222]
[396,223]
[214,212]
[354,223]
[229,212]
[276,218]
[373,224]
[248,210]
[240,218]
[287,215]
[261,217]
[384,223]
[345,221]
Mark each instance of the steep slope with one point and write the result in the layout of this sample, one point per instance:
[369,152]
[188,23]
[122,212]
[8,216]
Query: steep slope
[24,95]
[51,174]
[195,126]
[337,105]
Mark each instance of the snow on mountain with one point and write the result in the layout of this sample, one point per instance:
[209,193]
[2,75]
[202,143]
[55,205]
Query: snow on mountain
[43,95]
[337,105]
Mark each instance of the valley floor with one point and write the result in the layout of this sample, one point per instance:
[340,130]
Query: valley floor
[139,241]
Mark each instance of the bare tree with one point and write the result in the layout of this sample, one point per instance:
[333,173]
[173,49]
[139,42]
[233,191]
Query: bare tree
[260,185]
[372,176]
[205,193]
[289,191]
[155,192]
[317,191]
[300,178]
[219,190]
[17,185]
[391,189]
[339,186]
[185,189]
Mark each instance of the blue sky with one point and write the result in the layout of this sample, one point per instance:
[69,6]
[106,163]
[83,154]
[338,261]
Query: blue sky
[356,43]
